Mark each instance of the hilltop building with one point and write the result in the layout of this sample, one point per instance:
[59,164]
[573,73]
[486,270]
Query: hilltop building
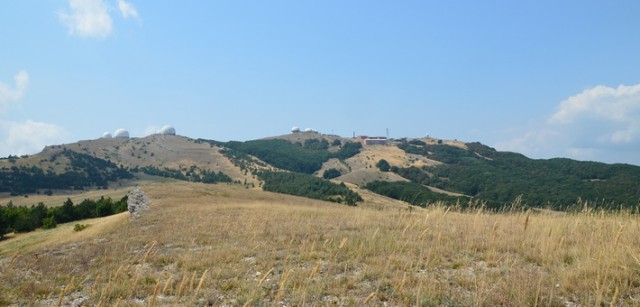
[376,141]
[372,140]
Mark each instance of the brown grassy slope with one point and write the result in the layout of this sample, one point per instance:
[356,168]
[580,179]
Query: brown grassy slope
[160,151]
[218,244]
[361,168]
[41,239]
[363,176]
[370,155]
[175,152]
[434,141]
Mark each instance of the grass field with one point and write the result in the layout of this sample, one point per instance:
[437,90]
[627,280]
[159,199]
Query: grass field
[225,245]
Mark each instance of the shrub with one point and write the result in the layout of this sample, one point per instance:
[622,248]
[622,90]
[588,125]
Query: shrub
[49,222]
[80,227]
[383,165]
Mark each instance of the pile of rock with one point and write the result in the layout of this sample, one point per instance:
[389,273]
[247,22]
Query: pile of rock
[137,202]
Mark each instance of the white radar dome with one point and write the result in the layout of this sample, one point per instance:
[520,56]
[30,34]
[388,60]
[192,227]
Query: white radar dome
[106,135]
[121,134]
[295,129]
[168,130]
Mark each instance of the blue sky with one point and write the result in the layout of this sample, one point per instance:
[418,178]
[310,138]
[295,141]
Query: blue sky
[544,78]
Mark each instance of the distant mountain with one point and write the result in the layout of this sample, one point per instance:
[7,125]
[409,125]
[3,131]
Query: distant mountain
[416,171]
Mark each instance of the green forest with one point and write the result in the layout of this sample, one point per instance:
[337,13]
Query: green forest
[83,171]
[412,193]
[25,219]
[306,157]
[500,177]
[300,184]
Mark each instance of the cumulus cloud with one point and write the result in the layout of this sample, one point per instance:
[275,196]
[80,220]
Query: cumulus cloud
[601,123]
[127,9]
[9,94]
[616,111]
[92,18]
[601,101]
[28,137]
[89,18]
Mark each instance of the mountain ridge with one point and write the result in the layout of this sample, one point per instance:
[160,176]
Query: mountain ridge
[441,170]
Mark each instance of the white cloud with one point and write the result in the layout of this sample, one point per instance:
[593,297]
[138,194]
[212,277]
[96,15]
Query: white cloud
[614,104]
[601,123]
[9,94]
[28,137]
[88,18]
[614,112]
[127,9]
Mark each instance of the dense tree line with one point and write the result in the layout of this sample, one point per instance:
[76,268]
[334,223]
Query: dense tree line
[308,186]
[25,219]
[193,174]
[443,153]
[306,157]
[83,171]
[316,144]
[500,177]
[412,193]
[283,154]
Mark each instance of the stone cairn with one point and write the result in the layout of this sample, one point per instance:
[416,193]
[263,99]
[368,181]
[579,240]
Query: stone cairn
[137,202]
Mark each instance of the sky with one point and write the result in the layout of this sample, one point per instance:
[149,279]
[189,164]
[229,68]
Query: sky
[542,78]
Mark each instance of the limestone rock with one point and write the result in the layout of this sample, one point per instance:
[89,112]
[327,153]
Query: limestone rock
[137,202]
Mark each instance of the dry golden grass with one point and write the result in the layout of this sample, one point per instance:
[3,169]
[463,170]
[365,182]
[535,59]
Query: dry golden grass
[63,234]
[363,176]
[370,155]
[224,245]
[360,169]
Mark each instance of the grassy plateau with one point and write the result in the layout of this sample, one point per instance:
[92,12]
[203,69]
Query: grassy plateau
[226,245]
